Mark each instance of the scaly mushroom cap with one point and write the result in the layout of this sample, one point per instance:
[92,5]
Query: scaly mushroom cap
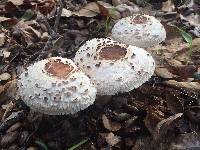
[114,67]
[56,86]
[139,30]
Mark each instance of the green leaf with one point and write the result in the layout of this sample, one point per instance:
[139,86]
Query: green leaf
[27,15]
[40,143]
[186,36]
[2,66]
[79,144]
[1,27]
[197,75]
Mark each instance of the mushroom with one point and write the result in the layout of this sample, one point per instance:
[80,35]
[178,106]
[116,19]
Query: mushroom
[56,86]
[139,30]
[114,67]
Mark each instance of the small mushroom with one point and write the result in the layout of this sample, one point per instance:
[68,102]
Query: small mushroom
[56,86]
[139,30]
[114,67]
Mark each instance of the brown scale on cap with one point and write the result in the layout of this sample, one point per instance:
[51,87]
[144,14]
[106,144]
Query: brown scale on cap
[36,85]
[63,90]
[53,84]
[133,55]
[88,67]
[72,78]
[98,65]
[138,37]
[57,98]
[113,53]
[139,19]
[26,74]
[65,82]
[58,69]
[68,94]
[72,88]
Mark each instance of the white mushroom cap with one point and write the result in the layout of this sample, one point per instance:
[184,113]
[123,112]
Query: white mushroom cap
[56,86]
[139,30]
[114,67]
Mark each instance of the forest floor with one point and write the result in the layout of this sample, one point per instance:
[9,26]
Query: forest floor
[163,114]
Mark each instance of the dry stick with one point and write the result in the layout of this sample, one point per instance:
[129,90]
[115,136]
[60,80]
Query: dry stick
[58,16]
[53,33]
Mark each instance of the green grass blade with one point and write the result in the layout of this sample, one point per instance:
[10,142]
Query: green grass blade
[40,143]
[27,15]
[79,144]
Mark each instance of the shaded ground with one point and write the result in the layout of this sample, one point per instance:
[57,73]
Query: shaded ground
[162,114]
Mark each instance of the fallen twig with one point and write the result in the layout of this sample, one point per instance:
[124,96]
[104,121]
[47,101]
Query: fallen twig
[52,32]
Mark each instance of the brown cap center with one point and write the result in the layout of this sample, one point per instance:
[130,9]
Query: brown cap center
[113,53]
[58,68]
[139,19]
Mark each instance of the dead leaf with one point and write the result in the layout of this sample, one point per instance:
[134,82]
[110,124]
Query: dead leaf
[174,103]
[168,6]
[66,13]
[193,113]
[164,73]
[8,107]
[16,2]
[103,11]
[122,116]
[8,22]
[126,10]
[188,86]
[193,19]
[105,5]
[143,143]
[177,68]
[152,119]
[110,125]
[171,30]
[94,8]
[4,19]
[46,7]
[189,141]
[3,88]
[104,8]
[30,34]
[2,39]
[90,10]
[196,51]
[11,90]
[130,121]
[117,2]
[4,76]
[5,53]
[111,139]
[10,7]
[164,125]
[45,37]
[8,138]
[13,114]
